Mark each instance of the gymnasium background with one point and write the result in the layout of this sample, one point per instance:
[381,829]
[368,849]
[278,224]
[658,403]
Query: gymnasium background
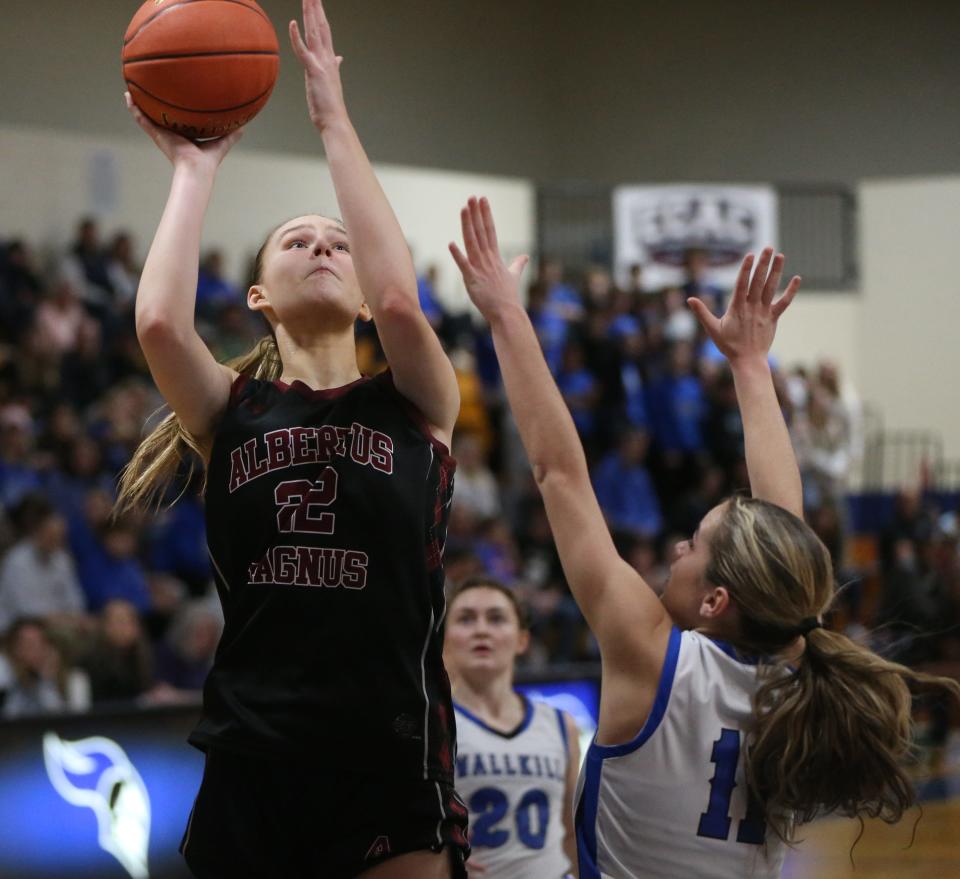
[846,111]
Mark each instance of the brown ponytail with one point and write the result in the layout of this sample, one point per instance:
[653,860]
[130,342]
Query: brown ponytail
[832,727]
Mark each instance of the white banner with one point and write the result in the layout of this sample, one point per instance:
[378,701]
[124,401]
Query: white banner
[656,226]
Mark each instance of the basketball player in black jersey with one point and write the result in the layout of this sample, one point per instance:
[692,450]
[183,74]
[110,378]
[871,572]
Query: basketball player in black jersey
[327,721]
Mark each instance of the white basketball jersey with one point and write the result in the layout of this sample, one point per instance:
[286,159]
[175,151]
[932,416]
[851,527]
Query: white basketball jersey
[673,802]
[514,787]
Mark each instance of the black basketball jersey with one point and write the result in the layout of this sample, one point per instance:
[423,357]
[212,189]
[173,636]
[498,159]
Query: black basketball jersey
[326,518]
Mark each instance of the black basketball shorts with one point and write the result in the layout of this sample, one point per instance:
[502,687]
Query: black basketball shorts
[256,818]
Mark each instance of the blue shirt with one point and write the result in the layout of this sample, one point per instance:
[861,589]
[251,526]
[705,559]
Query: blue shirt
[635,397]
[104,577]
[215,291]
[428,301]
[179,545]
[627,497]
[16,480]
[580,381]
[551,330]
[678,409]
[624,325]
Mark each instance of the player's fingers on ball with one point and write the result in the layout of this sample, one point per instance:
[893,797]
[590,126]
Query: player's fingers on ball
[231,139]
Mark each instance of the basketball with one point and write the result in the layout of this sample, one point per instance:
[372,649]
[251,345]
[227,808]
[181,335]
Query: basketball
[201,68]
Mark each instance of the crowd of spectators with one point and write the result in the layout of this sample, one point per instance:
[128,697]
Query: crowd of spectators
[93,609]
[96,610]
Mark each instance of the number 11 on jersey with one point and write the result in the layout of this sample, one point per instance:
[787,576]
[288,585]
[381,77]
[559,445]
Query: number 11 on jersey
[715,822]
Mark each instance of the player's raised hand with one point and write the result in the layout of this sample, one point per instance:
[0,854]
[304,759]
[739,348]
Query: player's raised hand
[321,65]
[750,323]
[181,150]
[490,283]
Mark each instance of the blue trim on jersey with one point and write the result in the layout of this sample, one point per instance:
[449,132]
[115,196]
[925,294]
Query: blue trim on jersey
[585,820]
[527,717]
[563,732]
[733,653]
[660,702]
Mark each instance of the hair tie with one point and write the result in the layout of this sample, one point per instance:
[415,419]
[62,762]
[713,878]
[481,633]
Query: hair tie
[808,625]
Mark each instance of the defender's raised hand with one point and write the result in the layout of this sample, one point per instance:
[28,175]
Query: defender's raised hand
[490,283]
[321,65]
[750,323]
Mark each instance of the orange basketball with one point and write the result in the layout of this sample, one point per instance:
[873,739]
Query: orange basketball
[200,67]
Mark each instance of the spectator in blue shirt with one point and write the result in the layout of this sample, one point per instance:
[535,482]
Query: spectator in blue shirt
[179,544]
[554,307]
[625,490]
[106,561]
[109,568]
[550,326]
[214,291]
[427,294]
[81,472]
[635,406]
[580,390]
[678,405]
[561,297]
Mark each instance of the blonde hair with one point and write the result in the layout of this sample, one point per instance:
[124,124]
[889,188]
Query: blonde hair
[831,729]
[159,457]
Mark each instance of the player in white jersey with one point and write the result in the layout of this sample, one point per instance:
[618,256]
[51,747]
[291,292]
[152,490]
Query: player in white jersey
[517,760]
[728,714]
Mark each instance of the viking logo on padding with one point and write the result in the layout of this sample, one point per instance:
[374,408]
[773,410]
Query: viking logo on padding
[97,774]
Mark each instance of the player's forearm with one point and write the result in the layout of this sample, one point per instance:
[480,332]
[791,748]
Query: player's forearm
[167,292]
[771,462]
[380,253]
[546,427]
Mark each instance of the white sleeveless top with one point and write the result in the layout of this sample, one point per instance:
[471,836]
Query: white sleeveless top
[514,788]
[673,802]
